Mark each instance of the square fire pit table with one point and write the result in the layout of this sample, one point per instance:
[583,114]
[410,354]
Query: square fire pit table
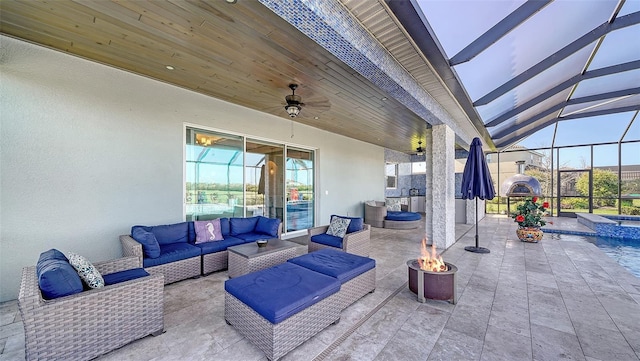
[246,258]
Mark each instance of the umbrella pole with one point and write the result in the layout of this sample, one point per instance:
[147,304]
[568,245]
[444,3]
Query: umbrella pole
[476,222]
[477,248]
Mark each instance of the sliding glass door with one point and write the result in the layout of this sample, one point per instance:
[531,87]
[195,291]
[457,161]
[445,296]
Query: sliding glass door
[263,176]
[233,176]
[213,184]
[300,189]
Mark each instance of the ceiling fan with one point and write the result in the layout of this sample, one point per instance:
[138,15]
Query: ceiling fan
[419,150]
[294,102]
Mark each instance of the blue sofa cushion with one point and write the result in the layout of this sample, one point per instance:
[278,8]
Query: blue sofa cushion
[123,276]
[149,243]
[169,233]
[51,254]
[56,277]
[327,240]
[254,236]
[219,246]
[281,291]
[268,226]
[331,262]
[171,253]
[225,227]
[355,225]
[242,225]
[402,216]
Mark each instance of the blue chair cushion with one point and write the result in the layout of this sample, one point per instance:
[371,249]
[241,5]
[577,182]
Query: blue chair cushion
[225,227]
[149,243]
[281,291]
[56,277]
[169,233]
[219,246]
[355,225]
[402,216]
[242,225]
[268,226]
[331,262]
[123,276]
[254,236]
[171,253]
[327,240]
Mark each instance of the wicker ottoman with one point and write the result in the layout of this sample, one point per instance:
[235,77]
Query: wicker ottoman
[356,274]
[279,308]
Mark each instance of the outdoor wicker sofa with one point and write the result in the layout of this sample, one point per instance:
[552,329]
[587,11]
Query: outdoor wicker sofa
[356,242]
[88,324]
[181,257]
[379,216]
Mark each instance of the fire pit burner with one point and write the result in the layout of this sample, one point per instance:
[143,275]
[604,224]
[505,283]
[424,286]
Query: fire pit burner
[432,285]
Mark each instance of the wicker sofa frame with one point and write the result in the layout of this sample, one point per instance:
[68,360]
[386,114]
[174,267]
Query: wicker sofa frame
[172,271]
[355,242]
[91,323]
[375,216]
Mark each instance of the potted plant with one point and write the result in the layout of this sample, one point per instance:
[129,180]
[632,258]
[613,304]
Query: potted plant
[529,216]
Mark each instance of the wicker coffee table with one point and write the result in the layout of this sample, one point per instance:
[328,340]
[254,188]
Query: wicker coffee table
[249,257]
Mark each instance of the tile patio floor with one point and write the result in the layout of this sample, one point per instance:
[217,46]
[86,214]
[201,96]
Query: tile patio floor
[560,299]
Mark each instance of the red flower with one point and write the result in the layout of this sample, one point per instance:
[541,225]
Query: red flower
[535,199]
[520,218]
[545,204]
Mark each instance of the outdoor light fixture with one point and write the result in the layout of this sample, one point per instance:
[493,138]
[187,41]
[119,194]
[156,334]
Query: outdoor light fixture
[294,102]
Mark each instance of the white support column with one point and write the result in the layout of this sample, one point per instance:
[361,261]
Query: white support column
[440,194]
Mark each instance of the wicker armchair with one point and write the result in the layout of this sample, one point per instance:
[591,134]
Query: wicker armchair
[91,323]
[354,243]
[374,215]
[173,271]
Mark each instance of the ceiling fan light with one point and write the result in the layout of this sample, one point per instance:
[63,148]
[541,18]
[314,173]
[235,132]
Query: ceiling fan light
[293,110]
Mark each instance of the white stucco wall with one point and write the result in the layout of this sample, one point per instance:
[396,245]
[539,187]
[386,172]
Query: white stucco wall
[87,151]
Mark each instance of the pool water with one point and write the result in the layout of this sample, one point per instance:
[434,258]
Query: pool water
[625,251]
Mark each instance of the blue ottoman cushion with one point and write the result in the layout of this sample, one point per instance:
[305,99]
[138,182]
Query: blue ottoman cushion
[327,240]
[281,291]
[403,216]
[122,276]
[341,265]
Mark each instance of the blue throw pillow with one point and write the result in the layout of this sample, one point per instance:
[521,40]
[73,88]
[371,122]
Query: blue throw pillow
[355,225]
[56,277]
[149,243]
[242,225]
[268,226]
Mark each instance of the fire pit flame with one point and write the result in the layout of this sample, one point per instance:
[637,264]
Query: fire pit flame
[431,261]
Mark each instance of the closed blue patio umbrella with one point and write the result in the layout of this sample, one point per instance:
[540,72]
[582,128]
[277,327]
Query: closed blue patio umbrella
[476,183]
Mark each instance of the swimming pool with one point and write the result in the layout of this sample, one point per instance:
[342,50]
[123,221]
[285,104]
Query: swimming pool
[625,251]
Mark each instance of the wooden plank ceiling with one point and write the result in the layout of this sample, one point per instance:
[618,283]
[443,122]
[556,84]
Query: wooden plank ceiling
[241,53]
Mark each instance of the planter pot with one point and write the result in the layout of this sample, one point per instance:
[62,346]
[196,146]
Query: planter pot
[529,234]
